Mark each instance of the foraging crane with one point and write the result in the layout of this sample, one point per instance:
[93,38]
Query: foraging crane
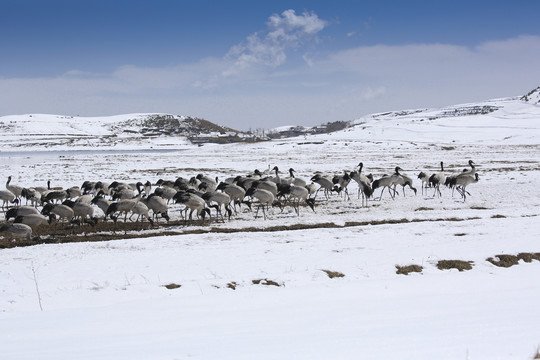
[266,185]
[297,194]
[217,199]
[235,192]
[140,209]
[265,198]
[123,206]
[32,220]
[101,202]
[17,231]
[22,210]
[324,183]
[158,205]
[403,180]
[82,211]
[211,184]
[192,202]
[64,212]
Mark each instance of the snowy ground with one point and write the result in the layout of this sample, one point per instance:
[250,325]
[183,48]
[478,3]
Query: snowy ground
[107,300]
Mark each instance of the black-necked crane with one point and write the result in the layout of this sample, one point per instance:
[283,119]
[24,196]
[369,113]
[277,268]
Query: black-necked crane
[293,180]
[462,181]
[296,194]
[437,179]
[64,212]
[424,178]
[341,182]
[22,210]
[123,206]
[165,192]
[193,203]
[324,183]
[158,205]
[216,200]
[403,180]
[264,197]
[364,186]
[82,212]
[235,192]
[32,220]
[15,189]
[266,185]
[141,210]
[100,201]
[17,231]
[31,195]
[55,196]
[7,197]
[211,184]
[387,181]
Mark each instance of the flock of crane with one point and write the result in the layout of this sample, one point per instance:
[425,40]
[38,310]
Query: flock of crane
[200,194]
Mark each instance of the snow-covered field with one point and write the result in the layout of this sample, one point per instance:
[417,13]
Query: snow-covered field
[107,300]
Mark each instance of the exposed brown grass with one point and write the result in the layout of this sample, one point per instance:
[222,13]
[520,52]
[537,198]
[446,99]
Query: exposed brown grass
[528,257]
[172,286]
[106,231]
[405,270]
[504,260]
[333,274]
[454,264]
[498,216]
[232,285]
[265,282]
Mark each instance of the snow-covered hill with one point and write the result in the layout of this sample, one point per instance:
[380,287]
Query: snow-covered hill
[129,131]
[510,120]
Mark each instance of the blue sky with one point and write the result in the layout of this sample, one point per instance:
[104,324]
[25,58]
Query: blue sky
[262,64]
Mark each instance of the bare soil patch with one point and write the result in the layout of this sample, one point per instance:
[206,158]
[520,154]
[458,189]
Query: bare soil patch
[454,264]
[405,270]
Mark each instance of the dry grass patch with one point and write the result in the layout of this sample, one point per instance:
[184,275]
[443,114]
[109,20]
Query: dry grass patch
[333,274]
[424,209]
[172,286]
[529,257]
[405,270]
[504,260]
[460,234]
[454,264]
[498,216]
[232,285]
[265,282]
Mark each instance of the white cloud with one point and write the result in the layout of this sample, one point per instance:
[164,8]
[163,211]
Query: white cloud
[285,31]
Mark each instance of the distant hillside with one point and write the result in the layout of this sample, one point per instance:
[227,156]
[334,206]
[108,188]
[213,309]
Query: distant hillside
[121,131]
[509,120]
[500,121]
